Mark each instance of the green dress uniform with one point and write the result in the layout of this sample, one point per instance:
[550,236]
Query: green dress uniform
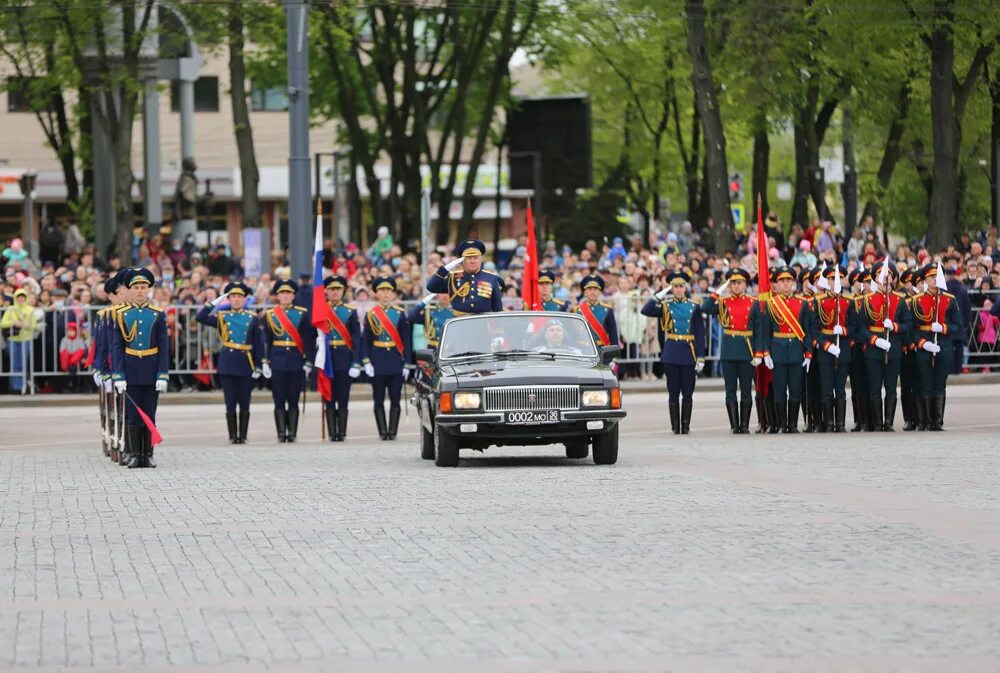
[936,315]
[884,316]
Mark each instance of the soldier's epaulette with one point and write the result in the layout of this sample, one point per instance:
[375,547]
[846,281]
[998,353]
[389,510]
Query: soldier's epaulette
[947,294]
[606,304]
[802,295]
[492,273]
[898,293]
[349,305]
[559,302]
[301,308]
[154,308]
[398,307]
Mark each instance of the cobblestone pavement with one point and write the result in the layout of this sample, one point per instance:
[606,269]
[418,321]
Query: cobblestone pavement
[700,553]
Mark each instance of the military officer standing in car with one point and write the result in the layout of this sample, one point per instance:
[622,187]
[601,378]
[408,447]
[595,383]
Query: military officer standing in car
[289,349]
[600,315]
[886,323]
[546,279]
[737,315]
[837,324]
[239,356]
[682,333]
[344,352]
[937,316]
[470,289]
[139,362]
[385,350]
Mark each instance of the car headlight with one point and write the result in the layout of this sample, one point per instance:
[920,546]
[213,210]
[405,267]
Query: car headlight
[466,400]
[595,398]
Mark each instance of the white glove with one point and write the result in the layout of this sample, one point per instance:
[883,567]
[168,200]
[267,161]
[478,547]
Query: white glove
[887,323]
[833,350]
[107,385]
[931,347]
[838,330]
[369,370]
[255,374]
[453,264]
[218,300]
[883,344]
[161,386]
[307,367]
[354,372]
[722,288]
[266,369]
[755,362]
[121,386]
[768,362]
[428,298]
[98,379]
[699,366]
[319,342]
[937,327]
[662,293]
[806,364]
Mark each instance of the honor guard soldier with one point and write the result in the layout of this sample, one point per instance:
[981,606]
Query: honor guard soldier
[682,334]
[811,410]
[140,360]
[859,280]
[785,342]
[837,323]
[470,289]
[600,315]
[909,377]
[344,352]
[239,356]
[432,312]
[549,303]
[385,349]
[105,322]
[289,349]
[886,322]
[936,317]
[737,315]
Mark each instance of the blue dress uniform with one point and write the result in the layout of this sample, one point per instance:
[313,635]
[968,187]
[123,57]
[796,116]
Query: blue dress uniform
[101,333]
[883,366]
[788,350]
[551,304]
[737,317]
[239,359]
[287,365]
[837,324]
[859,366]
[909,377]
[479,292]
[383,358]
[682,335]
[602,313]
[936,317]
[140,350]
[811,407]
[345,356]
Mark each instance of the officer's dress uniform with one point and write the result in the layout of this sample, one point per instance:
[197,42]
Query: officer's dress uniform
[551,304]
[832,311]
[140,356]
[883,366]
[682,335]
[239,359]
[811,395]
[480,292]
[345,354]
[433,318]
[737,317]
[777,339]
[859,367]
[386,357]
[103,345]
[102,370]
[929,308]
[601,318]
[909,377]
[287,361]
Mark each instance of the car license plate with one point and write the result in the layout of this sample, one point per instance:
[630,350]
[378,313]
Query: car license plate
[532,417]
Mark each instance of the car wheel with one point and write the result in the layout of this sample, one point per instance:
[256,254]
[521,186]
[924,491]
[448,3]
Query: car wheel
[447,449]
[577,449]
[426,444]
[606,447]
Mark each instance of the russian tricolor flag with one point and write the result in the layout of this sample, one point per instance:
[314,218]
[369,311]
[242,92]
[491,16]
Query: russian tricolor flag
[320,319]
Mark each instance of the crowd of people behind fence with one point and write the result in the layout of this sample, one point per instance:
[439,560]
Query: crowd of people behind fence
[47,303]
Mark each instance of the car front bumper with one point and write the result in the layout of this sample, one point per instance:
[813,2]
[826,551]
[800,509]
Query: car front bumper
[492,426]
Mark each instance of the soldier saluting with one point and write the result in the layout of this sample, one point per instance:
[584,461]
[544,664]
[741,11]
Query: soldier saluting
[469,288]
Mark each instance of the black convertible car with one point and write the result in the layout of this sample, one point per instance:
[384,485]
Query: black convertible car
[526,378]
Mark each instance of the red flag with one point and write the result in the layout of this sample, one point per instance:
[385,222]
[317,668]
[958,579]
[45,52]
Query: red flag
[529,286]
[154,435]
[763,271]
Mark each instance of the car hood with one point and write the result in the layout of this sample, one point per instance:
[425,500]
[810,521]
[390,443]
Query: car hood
[526,372]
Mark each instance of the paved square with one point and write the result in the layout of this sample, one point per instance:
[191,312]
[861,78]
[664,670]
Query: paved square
[708,552]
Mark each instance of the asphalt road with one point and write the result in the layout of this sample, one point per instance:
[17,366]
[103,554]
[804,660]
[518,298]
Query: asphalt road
[709,552]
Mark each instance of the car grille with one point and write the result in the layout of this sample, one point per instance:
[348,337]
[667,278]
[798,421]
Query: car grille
[516,398]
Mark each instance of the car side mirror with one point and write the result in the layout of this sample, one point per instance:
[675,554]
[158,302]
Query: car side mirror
[426,356]
[609,353]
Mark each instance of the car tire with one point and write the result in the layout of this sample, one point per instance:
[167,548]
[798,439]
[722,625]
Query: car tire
[578,449]
[426,444]
[446,449]
[606,447]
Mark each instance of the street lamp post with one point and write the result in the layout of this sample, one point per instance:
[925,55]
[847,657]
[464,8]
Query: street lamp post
[27,182]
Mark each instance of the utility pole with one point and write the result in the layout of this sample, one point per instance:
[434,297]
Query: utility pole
[299,197]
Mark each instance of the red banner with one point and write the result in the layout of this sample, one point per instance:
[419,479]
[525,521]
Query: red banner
[289,328]
[529,286]
[595,324]
[340,328]
[389,327]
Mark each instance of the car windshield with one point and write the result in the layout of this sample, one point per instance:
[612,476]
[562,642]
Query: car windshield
[522,333]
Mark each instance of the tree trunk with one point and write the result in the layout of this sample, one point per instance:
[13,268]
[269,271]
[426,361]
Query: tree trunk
[800,202]
[249,175]
[893,149]
[761,162]
[994,85]
[693,172]
[943,209]
[711,116]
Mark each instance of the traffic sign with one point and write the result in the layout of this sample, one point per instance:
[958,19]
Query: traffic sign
[739,216]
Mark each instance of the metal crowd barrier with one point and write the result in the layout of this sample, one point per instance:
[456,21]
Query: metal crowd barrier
[193,345]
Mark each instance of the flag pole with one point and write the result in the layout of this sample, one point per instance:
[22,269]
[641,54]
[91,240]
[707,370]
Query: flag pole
[305,379]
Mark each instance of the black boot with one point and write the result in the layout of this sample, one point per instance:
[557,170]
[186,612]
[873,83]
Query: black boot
[920,412]
[393,422]
[281,425]
[342,423]
[675,418]
[807,413]
[909,413]
[937,413]
[685,416]
[380,422]
[780,417]
[244,417]
[858,407]
[875,421]
[889,416]
[147,449]
[792,427]
[231,426]
[761,414]
[745,416]
[732,408]
[330,413]
[774,424]
[828,423]
[134,441]
[293,422]
[840,415]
